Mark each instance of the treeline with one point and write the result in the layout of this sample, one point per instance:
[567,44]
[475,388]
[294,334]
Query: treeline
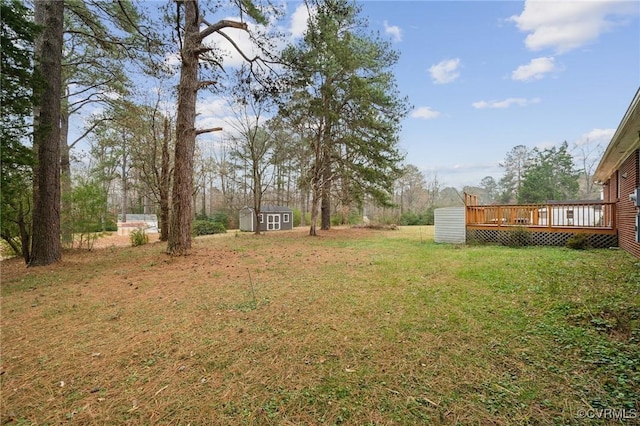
[315,120]
[539,175]
[314,123]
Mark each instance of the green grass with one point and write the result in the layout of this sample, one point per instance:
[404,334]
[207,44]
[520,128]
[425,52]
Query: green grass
[353,327]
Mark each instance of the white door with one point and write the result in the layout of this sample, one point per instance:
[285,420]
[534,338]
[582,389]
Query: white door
[273,222]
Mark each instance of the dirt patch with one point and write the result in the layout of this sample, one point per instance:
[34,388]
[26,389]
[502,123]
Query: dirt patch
[115,240]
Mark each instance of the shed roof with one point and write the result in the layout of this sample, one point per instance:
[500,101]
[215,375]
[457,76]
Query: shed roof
[625,140]
[272,209]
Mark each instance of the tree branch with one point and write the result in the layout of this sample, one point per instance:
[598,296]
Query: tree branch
[209,130]
[225,23]
[206,83]
[89,130]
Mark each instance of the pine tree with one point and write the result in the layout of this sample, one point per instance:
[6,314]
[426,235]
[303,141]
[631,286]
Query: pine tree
[16,103]
[345,99]
[550,176]
[46,247]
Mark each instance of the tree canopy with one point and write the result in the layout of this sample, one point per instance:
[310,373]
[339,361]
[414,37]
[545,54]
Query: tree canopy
[345,100]
[551,175]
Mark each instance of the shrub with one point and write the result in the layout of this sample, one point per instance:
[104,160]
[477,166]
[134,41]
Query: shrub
[221,218]
[518,237]
[411,218]
[578,242]
[138,237]
[206,227]
[110,225]
[297,218]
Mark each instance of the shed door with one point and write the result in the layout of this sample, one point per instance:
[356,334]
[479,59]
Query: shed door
[273,222]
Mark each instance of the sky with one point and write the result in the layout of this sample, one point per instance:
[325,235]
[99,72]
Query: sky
[485,76]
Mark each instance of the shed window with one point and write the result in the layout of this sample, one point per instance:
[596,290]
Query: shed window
[285,218]
[261,218]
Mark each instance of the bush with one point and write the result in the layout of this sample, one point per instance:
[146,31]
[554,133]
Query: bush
[518,237]
[110,225]
[207,227]
[221,218]
[412,219]
[138,237]
[578,242]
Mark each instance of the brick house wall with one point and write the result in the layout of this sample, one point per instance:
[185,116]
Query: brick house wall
[619,172]
[617,189]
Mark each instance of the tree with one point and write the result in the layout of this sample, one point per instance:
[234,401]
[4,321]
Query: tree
[411,190]
[514,166]
[88,210]
[102,40]
[151,157]
[46,246]
[16,103]
[490,188]
[253,143]
[347,102]
[587,154]
[434,186]
[192,50]
[550,176]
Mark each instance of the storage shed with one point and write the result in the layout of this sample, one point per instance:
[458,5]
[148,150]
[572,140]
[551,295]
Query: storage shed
[272,218]
[450,225]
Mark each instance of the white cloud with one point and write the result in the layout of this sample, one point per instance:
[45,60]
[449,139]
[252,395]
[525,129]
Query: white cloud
[172,59]
[393,30]
[212,106]
[231,57]
[299,20]
[534,70]
[596,136]
[445,71]
[506,103]
[568,25]
[425,113]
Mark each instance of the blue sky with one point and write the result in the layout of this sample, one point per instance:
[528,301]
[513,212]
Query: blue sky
[485,76]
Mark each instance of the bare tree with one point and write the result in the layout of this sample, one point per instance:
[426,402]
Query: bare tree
[587,154]
[515,163]
[253,144]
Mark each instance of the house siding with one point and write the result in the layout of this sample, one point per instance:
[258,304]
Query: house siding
[626,210]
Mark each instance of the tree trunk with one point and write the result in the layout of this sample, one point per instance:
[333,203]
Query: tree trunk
[326,202]
[165,182]
[180,229]
[315,201]
[65,178]
[46,246]
[304,202]
[123,177]
[25,238]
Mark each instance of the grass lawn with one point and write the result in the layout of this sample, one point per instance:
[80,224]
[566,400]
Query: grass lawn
[354,327]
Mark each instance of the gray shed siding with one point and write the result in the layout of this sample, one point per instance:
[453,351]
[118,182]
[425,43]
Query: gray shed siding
[273,218]
[450,226]
[246,219]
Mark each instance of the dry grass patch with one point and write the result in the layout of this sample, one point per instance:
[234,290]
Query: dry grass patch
[357,326]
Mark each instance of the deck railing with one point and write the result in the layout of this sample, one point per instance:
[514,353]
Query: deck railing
[569,215]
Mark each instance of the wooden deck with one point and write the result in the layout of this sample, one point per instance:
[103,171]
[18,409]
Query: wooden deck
[567,216]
